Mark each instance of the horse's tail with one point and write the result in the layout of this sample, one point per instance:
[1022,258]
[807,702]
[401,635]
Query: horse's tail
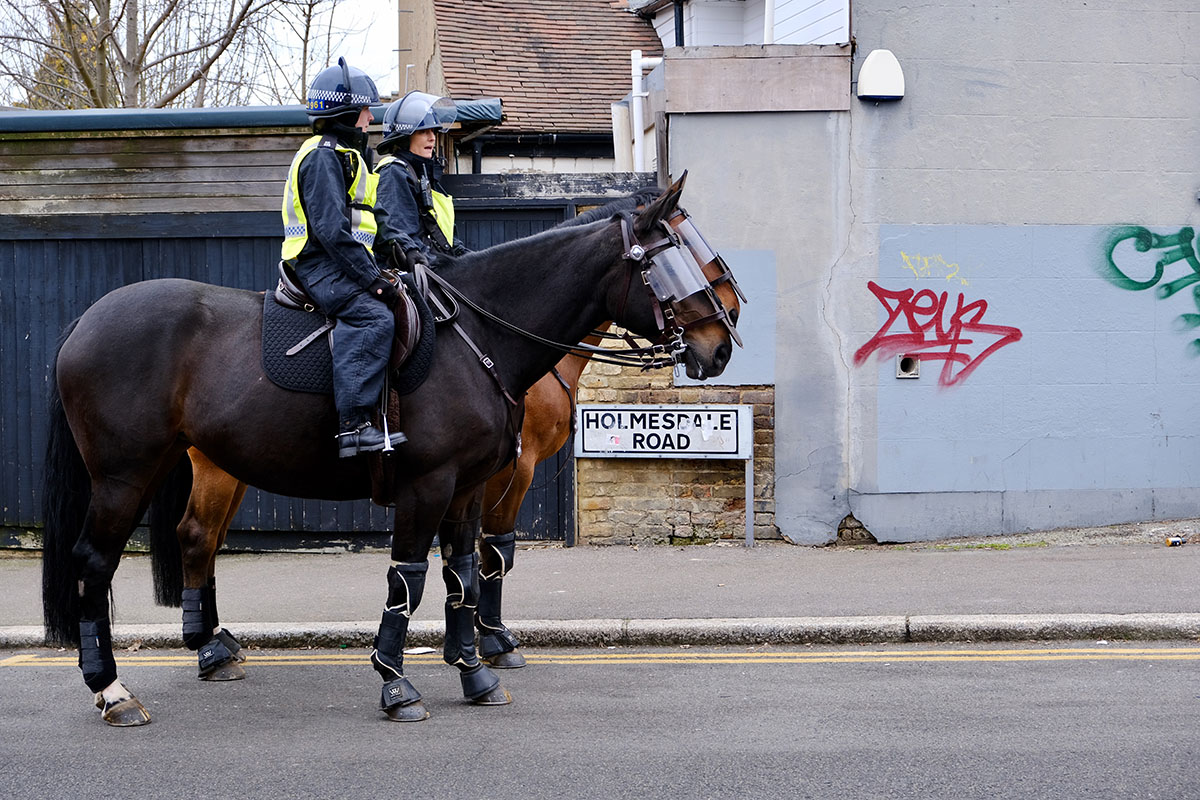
[66,493]
[166,509]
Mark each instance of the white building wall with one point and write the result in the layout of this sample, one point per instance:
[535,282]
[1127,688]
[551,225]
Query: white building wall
[737,22]
[809,22]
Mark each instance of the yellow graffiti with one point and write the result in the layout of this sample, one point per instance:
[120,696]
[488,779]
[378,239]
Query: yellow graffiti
[932,266]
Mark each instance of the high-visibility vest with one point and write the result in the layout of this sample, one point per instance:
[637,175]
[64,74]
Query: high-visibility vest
[360,198]
[436,206]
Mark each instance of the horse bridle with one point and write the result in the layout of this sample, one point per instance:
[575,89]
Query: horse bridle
[669,266]
[682,293]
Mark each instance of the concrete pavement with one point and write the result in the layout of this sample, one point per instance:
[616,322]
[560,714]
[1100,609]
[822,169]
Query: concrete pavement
[1036,586]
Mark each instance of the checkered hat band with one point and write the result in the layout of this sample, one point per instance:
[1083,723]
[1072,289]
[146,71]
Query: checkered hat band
[322,100]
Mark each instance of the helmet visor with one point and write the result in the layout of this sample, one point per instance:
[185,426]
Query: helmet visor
[419,111]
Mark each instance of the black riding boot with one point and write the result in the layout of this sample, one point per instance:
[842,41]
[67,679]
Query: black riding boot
[365,438]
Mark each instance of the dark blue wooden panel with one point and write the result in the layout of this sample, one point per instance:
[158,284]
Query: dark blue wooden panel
[548,511]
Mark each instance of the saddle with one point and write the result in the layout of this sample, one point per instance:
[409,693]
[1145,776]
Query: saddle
[288,293]
[292,325]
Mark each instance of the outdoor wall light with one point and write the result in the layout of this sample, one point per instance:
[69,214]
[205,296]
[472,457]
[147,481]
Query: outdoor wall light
[880,77]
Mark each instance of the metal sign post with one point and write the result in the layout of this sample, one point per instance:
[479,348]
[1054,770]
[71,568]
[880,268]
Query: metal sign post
[666,431]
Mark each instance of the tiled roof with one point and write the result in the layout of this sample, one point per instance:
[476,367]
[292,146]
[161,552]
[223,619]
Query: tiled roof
[557,65]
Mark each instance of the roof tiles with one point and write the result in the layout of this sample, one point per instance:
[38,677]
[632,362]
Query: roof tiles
[557,65]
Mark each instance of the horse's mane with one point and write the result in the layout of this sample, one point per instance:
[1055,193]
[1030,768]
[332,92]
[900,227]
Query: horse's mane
[638,198]
[642,197]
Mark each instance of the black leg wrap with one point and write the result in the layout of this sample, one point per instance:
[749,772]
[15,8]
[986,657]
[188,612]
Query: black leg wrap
[478,681]
[210,606]
[388,656]
[406,585]
[95,654]
[496,559]
[461,574]
[494,636]
[196,630]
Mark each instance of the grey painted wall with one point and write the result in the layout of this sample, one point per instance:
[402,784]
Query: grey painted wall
[1028,133]
[1031,136]
[763,182]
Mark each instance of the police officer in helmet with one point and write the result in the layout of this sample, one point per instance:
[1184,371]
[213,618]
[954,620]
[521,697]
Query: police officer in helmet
[410,174]
[329,230]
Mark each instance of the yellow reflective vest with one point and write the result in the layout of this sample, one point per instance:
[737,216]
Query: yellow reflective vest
[442,210]
[361,199]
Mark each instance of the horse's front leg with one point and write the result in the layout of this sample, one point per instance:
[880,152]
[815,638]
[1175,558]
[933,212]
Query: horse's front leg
[460,571]
[497,644]
[502,498]
[214,499]
[416,524]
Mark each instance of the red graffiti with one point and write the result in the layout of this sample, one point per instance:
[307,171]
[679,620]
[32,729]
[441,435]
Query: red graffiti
[925,312]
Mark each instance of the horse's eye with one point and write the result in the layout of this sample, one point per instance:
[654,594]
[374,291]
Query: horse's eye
[733,317]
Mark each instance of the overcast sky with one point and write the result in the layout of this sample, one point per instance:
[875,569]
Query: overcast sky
[372,46]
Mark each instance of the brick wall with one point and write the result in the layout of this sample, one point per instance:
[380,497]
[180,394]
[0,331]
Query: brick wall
[666,501]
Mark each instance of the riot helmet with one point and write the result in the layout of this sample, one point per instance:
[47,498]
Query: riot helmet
[416,111]
[339,90]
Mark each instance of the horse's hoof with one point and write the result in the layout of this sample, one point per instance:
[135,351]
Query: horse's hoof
[509,660]
[496,697]
[127,713]
[229,671]
[413,712]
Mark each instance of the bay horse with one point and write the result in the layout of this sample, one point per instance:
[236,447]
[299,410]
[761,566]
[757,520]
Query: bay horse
[215,496]
[156,367]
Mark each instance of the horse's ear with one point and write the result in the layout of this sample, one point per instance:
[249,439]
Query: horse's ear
[661,208]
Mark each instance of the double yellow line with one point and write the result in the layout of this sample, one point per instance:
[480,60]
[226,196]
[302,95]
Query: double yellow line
[681,656]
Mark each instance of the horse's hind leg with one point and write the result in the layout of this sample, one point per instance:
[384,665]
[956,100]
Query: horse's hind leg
[111,516]
[214,499]
[497,547]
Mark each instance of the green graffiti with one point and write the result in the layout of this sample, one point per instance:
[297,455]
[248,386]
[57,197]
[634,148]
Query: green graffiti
[1174,247]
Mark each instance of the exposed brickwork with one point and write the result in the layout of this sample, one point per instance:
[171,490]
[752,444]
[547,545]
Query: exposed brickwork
[558,65]
[660,501]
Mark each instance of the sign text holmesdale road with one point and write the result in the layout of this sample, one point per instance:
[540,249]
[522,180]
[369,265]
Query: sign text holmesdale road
[660,431]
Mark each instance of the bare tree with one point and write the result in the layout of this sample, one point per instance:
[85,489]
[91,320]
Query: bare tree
[157,53]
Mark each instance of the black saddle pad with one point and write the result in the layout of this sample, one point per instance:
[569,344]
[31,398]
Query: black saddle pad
[311,369]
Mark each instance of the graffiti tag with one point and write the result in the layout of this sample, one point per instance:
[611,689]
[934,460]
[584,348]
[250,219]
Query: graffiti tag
[1174,247]
[927,266]
[931,334]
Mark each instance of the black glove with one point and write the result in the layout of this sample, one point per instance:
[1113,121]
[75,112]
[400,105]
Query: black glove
[382,289]
[459,250]
[413,257]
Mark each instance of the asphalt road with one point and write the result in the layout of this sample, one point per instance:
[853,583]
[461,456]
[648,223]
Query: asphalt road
[1062,720]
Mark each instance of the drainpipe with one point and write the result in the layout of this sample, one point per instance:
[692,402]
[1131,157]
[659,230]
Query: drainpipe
[679,23]
[637,106]
[769,22]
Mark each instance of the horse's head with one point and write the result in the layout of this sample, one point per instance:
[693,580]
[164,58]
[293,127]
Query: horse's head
[693,300]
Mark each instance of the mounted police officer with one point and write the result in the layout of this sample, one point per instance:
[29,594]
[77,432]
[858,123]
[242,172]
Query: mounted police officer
[410,174]
[329,230]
